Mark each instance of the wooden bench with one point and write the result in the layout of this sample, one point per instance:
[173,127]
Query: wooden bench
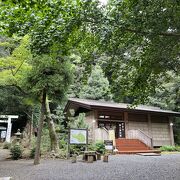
[89,156]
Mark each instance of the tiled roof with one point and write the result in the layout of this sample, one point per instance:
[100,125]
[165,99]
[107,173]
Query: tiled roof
[108,104]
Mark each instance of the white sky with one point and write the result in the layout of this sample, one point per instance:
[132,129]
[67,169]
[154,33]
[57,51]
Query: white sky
[103,1]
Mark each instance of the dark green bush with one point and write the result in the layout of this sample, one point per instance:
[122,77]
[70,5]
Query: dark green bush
[16,152]
[100,147]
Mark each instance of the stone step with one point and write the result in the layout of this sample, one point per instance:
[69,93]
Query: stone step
[139,151]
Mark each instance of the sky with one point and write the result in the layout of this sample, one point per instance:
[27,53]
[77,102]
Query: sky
[103,1]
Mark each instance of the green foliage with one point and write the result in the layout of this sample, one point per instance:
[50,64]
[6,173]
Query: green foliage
[168,97]
[97,86]
[13,67]
[77,122]
[63,23]
[64,125]
[63,141]
[7,145]
[77,149]
[79,75]
[32,153]
[49,74]
[16,152]
[98,146]
[80,121]
[169,148]
[141,50]
[35,114]
[45,145]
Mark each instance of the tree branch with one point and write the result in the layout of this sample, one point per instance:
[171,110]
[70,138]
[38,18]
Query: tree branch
[17,87]
[168,34]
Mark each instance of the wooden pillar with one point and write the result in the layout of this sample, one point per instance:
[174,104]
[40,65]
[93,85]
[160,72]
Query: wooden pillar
[171,131]
[94,124]
[95,118]
[126,123]
[149,125]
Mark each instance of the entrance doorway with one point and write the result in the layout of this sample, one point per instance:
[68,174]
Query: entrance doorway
[119,127]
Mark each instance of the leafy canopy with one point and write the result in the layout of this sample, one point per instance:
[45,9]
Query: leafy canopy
[142,38]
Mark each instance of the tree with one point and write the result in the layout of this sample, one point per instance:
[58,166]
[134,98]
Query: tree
[97,86]
[168,97]
[39,77]
[142,39]
[48,78]
[55,27]
[63,23]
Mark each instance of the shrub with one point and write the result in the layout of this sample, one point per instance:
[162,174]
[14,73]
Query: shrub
[168,148]
[77,149]
[100,147]
[178,148]
[7,145]
[32,153]
[16,152]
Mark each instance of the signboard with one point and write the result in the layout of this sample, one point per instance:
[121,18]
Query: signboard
[8,135]
[78,136]
[3,134]
[108,144]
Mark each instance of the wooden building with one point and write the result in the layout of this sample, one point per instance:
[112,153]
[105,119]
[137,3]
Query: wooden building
[134,127]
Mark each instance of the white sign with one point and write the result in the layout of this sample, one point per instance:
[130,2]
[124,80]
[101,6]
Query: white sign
[3,134]
[8,135]
[78,136]
[108,144]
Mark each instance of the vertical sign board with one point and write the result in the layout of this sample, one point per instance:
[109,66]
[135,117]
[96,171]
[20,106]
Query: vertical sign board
[77,136]
[8,134]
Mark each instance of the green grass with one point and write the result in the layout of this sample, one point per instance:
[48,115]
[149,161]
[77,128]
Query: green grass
[170,148]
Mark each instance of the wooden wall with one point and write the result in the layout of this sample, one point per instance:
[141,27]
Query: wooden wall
[160,130]
[157,128]
[138,121]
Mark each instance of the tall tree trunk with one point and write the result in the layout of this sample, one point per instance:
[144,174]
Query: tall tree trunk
[30,128]
[52,131]
[40,126]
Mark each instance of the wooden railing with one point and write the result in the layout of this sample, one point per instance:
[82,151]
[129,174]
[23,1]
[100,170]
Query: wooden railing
[101,134]
[142,136]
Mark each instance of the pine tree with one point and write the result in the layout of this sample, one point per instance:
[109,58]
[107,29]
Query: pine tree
[97,86]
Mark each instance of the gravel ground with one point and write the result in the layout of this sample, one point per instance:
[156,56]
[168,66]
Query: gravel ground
[119,167]
[4,153]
